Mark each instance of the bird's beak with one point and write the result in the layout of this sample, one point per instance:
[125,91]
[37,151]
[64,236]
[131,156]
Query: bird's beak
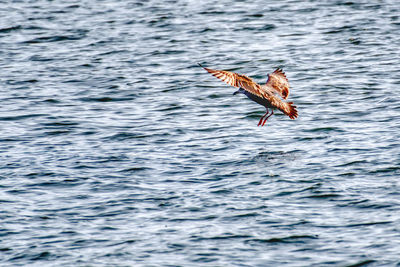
[236,92]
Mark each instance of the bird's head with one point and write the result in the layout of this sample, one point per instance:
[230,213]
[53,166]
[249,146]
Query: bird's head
[241,90]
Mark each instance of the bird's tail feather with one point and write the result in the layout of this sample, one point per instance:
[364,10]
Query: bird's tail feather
[291,111]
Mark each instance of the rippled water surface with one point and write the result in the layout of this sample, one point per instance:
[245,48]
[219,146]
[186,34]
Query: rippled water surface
[117,149]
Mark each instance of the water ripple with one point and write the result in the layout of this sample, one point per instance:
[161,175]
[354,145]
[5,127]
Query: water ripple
[116,148]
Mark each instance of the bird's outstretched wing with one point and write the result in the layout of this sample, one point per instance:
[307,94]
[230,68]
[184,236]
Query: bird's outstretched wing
[238,80]
[278,81]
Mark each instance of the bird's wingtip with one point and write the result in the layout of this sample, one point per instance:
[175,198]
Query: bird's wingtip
[200,64]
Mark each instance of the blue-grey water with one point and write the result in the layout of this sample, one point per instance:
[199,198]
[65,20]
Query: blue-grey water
[117,149]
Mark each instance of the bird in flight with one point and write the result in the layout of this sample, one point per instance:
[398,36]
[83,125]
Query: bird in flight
[270,95]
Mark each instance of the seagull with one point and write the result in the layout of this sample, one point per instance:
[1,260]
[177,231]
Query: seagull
[270,95]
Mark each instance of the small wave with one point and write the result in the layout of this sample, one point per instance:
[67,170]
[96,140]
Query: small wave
[105,99]
[10,29]
[221,237]
[135,169]
[324,196]
[361,263]
[367,224]
[20,117]
[49,39]
[289,239]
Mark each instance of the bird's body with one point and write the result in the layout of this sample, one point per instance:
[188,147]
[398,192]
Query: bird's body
[270,95]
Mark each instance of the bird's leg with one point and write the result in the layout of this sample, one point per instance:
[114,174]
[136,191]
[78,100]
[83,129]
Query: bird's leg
[263,116]
[272,112]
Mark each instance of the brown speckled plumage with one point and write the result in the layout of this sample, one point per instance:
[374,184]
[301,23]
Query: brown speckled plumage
[271,95]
